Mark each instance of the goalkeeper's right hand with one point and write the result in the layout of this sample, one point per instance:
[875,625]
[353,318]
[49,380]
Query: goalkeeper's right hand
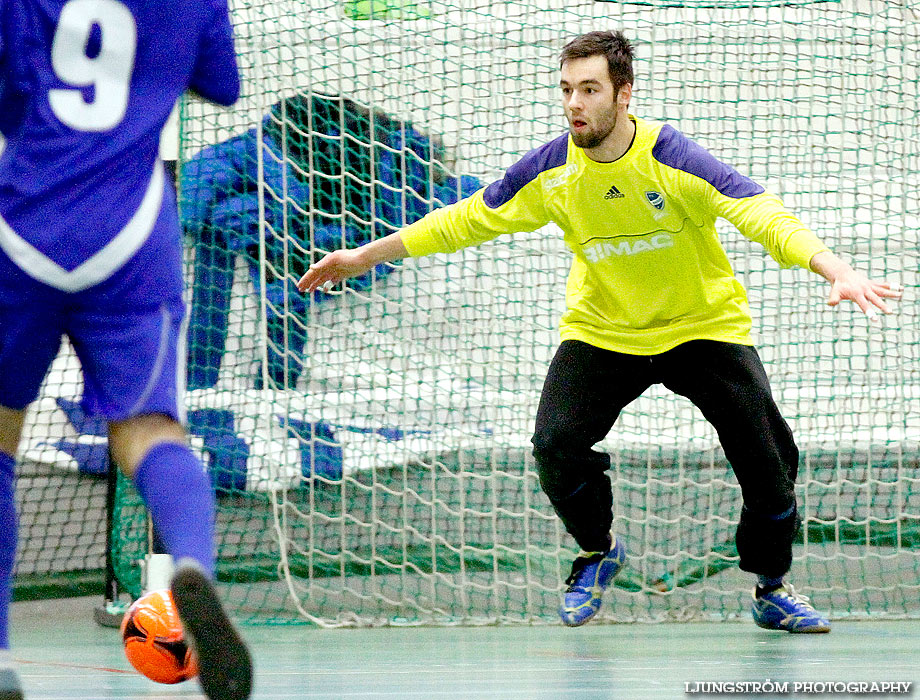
[345,263]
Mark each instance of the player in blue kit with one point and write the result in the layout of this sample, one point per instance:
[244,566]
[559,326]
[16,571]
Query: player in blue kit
[90,248]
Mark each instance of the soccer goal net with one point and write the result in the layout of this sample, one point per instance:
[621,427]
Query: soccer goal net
[370,446]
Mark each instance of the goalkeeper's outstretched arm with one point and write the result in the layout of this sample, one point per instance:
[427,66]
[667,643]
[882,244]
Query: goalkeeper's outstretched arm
[345,263]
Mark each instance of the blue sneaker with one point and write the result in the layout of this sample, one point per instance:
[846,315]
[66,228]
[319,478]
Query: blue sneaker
[591,574]
[784,609]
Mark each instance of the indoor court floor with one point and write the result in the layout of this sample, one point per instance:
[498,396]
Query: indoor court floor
[62,653]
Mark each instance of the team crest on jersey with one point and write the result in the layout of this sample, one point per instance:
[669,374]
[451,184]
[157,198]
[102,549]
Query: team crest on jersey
[655,199]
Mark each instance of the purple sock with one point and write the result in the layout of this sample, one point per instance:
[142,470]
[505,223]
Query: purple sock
[173,484]
[8,535]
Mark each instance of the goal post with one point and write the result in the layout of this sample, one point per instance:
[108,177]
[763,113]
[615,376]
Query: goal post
[370,446]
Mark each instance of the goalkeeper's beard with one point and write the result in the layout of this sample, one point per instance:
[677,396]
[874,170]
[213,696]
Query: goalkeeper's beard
[594,137]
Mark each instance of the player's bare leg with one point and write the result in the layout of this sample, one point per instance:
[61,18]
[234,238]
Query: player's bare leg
[10,430]
[224,663]
[130,440]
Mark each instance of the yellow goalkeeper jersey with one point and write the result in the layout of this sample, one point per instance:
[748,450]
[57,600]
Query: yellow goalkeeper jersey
[648,272]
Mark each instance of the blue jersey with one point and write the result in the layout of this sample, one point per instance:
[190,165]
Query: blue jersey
[85,89]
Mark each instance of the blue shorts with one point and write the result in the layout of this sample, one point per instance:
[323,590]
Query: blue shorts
[128,333]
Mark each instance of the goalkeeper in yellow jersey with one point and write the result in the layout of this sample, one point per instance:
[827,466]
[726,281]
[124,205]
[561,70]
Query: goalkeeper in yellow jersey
[651,298]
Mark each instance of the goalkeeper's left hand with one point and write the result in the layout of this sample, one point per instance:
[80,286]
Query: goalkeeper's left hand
[847,283]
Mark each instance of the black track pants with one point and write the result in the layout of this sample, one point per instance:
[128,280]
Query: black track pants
[586,389]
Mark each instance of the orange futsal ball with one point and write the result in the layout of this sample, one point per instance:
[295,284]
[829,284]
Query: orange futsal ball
[154,642]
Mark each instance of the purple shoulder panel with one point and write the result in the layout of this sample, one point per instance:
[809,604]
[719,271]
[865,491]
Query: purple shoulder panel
[677,151]
[546,157]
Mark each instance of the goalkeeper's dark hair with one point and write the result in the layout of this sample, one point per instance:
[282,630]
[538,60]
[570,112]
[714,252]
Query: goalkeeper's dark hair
[614,46]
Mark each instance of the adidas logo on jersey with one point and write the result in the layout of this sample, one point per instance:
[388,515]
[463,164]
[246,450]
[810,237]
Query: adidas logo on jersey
[613,193]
